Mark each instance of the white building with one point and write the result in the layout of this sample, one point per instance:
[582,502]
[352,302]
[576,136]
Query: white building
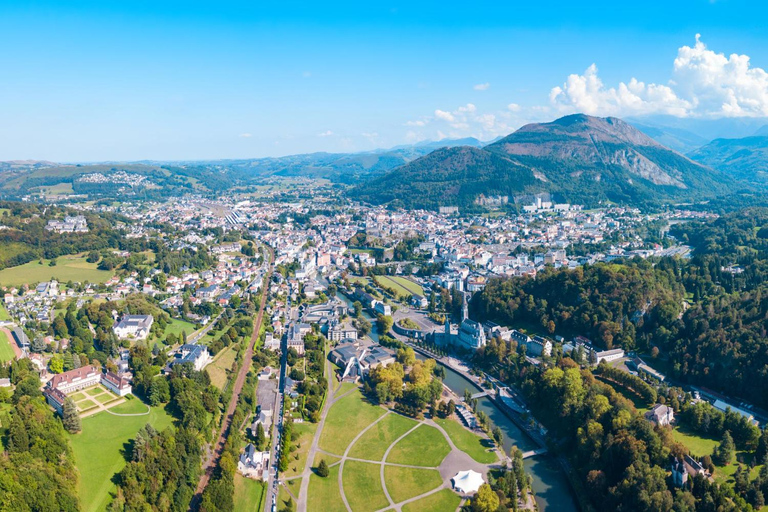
[133,326]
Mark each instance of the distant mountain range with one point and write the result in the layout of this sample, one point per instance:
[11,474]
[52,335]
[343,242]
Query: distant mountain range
[745,159]
[576,158]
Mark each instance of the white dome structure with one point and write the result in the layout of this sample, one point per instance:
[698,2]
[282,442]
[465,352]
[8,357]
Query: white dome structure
[467,482]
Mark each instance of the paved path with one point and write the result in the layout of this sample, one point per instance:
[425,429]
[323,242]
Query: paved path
[213,458]
[330,400]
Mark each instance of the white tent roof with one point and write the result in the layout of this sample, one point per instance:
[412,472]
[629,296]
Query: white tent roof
[467,482]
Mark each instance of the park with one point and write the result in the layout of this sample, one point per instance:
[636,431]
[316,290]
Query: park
[379,459]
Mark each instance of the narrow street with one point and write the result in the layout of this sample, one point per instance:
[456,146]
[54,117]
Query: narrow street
[213,458]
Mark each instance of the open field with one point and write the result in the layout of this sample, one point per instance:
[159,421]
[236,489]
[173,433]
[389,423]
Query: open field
[248,493]
[345,420]
[324,493]
[99,449]
[362,486]
[698,445]
[4,313]
[221,365]
[425,446]
[6,348]
[405,483]
[374,443]
[438,502]
[479,448]
[68,268]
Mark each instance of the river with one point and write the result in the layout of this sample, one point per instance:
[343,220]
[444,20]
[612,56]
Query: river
[553,492]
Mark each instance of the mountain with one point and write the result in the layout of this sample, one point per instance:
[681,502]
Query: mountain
[577,158]
[676,139]
[762,131]
[707,129]
[744,159]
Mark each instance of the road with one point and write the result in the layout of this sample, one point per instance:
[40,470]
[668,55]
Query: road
[213,459]
[277,427]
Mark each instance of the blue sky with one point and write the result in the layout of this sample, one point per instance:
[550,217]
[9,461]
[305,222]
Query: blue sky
[93,81]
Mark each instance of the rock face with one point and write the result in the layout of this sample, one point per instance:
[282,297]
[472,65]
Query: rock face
[577,158]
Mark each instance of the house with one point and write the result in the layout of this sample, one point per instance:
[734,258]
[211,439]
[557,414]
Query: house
[118,384]
[271,342]
[608,355]
[55,399]
[661,415]
[296,333]
[74,380]
[341,333]
[538,346]
[133,326]
[679,472]
[189,353]
[253,463]
[382,309]
[263,418]
[419,301]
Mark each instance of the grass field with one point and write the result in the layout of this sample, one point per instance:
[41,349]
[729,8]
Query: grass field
[4,313]
[362,486]
[345,420]
[402,286]
[324,494]
[405,483]
[6,348]
[442,501]
[425,446]
[221,365]
[298,459]
[248,493]
[68,268]
[99,449]
[374,443]
[479,448]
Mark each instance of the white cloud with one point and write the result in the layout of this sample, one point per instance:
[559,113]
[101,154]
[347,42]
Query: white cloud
[326,133]
[703,84]
[443,115]
[482,87]
[418,122]
[245,135]
[513,107]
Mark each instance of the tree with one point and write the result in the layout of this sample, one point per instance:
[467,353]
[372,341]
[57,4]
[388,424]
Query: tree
[69,417]
[322,469]
[486,500]
[384,323]
[261,437]
[724,453]
[498,436]
[56,364]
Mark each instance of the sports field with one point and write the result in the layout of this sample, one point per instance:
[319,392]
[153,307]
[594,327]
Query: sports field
[6,347]
[68,268]
[402,286]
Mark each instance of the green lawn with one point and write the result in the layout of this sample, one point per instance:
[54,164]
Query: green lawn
[699,446]
[324,494]
[77,396]
[298,459]
[4,313]
[445,500]
[412,287]
[374,443]
[131,406]
[86,404]
[248,493]
[362,486]
[6,348]
[405,483]
[96,390]
[469,442]
[177,326]
[346,418]
[425,446]
[68,268]
[98,451]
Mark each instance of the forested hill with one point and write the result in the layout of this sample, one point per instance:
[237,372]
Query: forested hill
[578,158]
[745,159]
[707,316]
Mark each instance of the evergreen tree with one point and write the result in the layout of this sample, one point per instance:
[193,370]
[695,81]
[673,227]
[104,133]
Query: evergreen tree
[724,453]
[322,469]
[70,418]
[261,438]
